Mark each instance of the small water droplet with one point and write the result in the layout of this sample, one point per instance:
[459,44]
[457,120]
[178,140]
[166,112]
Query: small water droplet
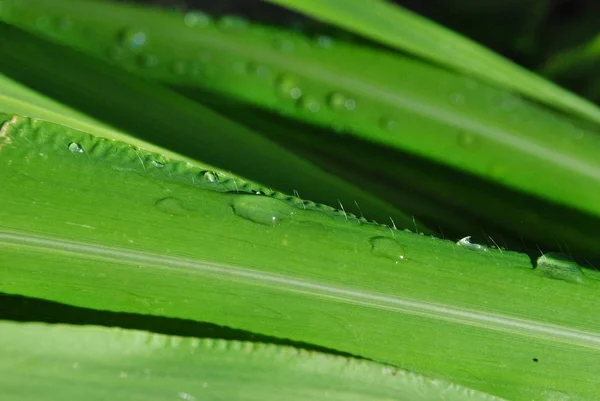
[466,243]
[132,38]
[64,24]
[311,104]
[179,67]
[325,42]
[287,87]
[239,67]
[388,248]
[42,22]
[75,147]
[210,176]
[258,70]
[147,60]
[232,22]
[261,209]
[116,53]
[340,101]
[285,45]
[560,267]
[158,163]
[457,98]
[172,206]
[389,124]
[196,19]
[466,139]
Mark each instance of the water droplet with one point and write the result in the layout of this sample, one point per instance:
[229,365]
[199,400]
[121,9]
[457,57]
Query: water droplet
[172,206]
[311,104]
[158,163]
[261,209]
[64,23]
[340,101]
[388,248]
[287,87]
[132,38]
[560,267]
[466,139]
[457,99]
[466,243]
[43,22]
[116,53]
[232,22]
[239,67]
[179,67]
[389,124]
[258,70]
[147,60]
[325,42]
[210,176]
[196,19]
[285,45]
[75,147]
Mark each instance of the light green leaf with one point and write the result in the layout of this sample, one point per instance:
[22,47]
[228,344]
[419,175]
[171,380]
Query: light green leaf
[68,362]
[98,224]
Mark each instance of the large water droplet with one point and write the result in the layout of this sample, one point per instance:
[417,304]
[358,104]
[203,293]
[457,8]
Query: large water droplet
[196,19]
[388,248]
[75,147]
[172,206]
[261,209]
[466,243]
[132,38]
[560,267]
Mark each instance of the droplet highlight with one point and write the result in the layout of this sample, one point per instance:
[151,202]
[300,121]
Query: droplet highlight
[559,267]
[389,124]
[75,147]
[210,176]
[310,104]
[339,101]
[261,209]
[132,38]
[388,248]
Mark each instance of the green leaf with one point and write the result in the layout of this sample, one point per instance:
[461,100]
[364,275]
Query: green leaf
[404,30]
[68,363]
[159,115]
[380,97]
[100,224]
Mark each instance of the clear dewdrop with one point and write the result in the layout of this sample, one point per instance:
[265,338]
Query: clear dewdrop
[559,267]
[466,243]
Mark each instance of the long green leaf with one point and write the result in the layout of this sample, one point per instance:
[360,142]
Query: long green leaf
[406,31]
[159,115]
[378,96]
[69,362]
[99,224]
